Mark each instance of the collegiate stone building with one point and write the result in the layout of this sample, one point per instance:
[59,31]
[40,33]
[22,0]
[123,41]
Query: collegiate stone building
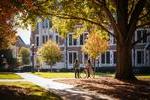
[71,48]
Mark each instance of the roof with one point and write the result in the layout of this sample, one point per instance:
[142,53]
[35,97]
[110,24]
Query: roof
[20,42]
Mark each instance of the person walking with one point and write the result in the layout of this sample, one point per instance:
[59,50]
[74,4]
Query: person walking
[76,67]
[89,69]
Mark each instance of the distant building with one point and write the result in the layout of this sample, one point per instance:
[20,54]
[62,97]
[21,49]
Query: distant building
[15,48]
[71,48]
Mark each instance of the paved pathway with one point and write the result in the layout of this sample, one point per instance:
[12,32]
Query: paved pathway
[67,92]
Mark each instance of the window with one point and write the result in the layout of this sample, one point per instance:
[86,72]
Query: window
[70,39]
[46,23]
[74,41]
[46,38]
[114,40]
[140,57]
[72,57]
[85,36]
[57,39]
[37,41]
[107,57]
[103,58]
[145,39]
[114,57]
[43,39]
[81,39]
[141,34]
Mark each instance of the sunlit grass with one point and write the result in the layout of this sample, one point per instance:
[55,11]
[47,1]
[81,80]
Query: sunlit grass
[35,92]
[6,75]
[55,74]
[143,76]
[68,74]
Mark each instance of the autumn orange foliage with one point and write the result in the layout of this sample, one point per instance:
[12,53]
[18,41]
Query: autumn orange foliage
[96,43]
[8,10]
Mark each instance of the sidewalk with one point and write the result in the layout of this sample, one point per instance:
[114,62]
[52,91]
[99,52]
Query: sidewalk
[67,92]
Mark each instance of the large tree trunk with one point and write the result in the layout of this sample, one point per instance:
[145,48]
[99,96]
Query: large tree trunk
[124,62]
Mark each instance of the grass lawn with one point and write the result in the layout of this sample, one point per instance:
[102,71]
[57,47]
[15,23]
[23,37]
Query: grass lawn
[143,77]
[55,74]
[5,75]
[67,74]
[24,91]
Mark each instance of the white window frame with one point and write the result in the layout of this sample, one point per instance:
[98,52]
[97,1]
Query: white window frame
[136,57]
[141,34]
[72,57]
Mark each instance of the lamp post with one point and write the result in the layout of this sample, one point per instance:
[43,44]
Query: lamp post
[32,56]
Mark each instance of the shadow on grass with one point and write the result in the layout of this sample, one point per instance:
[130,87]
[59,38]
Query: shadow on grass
[135,90]
[18,93]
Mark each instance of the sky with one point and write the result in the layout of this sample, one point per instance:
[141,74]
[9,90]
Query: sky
[24,34]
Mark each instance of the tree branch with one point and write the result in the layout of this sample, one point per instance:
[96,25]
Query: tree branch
[144,15]
[69,16]
[134,18]
[131,10]
[142,25]
[109,14]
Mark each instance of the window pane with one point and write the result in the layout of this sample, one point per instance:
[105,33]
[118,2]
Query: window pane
[74,56]
[74,41]
[43,38]
[70,58]
[70,39]
[114,57]
[81,39]
[140,57]
[145,39]
[37,41]
[107,57]
[139,35]
[103,58]
[57,39]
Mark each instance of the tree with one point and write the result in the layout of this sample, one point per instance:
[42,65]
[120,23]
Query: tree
[96,44]
[122,17]
[6,57]
[24,55]
[38,62]
[50,53]
[11,13]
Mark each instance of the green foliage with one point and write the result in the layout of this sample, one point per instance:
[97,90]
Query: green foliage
[50,53]
[24,56]
[8,58]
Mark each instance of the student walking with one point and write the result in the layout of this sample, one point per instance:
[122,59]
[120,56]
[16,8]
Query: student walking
[76,67]
[89,69]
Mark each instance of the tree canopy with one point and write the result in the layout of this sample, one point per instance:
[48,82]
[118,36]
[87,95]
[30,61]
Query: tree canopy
[50,53]
[120,18]
[96,44]
[24,56]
